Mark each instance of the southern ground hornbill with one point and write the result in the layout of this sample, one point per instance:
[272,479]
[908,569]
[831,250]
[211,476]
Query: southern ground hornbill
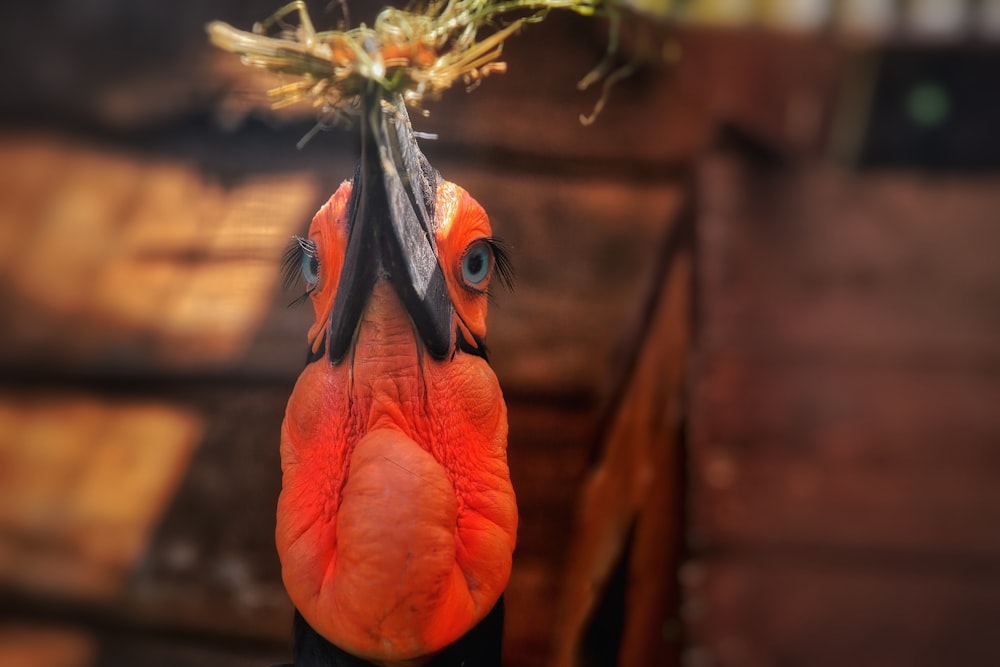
[397,521]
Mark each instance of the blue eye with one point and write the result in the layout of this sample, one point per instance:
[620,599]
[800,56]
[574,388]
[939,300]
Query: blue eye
[310,266]
[476,264]
[301,262]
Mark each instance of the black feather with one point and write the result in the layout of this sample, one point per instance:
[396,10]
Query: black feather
[480,647]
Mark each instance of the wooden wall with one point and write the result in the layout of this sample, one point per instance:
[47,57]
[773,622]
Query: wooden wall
[843,433]
[821,464]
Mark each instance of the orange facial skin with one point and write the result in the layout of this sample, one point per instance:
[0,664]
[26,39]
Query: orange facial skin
[397,520]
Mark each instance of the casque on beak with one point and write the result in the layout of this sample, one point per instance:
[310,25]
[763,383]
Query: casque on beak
[391,224]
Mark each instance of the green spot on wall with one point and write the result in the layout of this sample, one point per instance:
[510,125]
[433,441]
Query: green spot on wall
[928,104]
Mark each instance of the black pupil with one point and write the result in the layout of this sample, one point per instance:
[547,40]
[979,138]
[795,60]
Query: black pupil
[313,266]
[476,262]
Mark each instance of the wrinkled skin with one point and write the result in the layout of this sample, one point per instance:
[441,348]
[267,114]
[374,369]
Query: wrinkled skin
[397,520]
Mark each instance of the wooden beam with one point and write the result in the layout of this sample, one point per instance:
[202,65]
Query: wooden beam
[630,507]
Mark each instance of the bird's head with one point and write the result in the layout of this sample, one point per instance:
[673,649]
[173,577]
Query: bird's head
[397,519]
[441,276]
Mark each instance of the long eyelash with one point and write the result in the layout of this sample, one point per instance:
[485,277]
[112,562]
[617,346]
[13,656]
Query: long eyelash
[291,265]
[291,261]
[503,267]
[300,298]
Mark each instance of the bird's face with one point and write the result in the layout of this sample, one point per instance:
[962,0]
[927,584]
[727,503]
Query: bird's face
[397,520]
[469,258]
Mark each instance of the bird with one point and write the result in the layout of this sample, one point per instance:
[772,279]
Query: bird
[397,520]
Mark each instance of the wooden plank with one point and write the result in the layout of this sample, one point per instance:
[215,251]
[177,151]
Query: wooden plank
[844,393]
[629,507]
[779,87]
[82,483]
[123,261]
[22,645]
[889,267]
[774,611]
[856,456]
[843,425]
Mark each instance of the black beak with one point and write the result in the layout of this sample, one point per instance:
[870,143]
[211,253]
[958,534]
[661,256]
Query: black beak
[391,226]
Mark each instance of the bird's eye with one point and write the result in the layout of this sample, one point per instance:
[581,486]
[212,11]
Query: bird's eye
[310,268]
[301,261]
[476,264]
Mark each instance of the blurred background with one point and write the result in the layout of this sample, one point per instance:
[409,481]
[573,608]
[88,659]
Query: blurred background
[751,360]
